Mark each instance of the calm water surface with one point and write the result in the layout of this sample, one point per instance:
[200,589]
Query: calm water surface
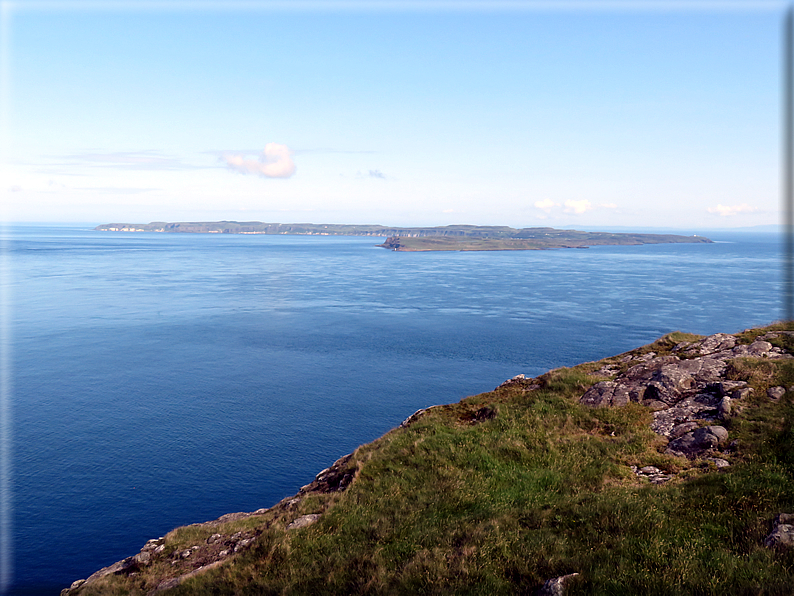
[166,379]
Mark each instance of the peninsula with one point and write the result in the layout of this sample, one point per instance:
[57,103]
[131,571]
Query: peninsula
[453,237]
[668,469]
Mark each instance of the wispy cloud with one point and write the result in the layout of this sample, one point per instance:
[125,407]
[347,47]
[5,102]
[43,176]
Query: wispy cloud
[131,160]
[728,210]
[571,206]
[274,162]
[116,190]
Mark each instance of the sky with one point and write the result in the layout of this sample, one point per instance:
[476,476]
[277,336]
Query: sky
[661,114]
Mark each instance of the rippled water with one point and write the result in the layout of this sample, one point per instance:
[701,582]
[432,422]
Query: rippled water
[165,379]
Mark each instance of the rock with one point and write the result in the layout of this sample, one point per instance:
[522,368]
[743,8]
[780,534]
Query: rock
[724,408]
[743,393]
[214,538]
[613,393]
[782,532]
[698,441]
[719,462]
[652,473]
[303,521]
[775,393]
[143,557]
[715,343]
[682,429]
[556,586]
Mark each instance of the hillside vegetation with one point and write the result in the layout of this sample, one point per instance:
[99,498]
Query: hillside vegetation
[502,491]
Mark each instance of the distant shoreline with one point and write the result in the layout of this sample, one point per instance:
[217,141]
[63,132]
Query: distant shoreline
[421,239]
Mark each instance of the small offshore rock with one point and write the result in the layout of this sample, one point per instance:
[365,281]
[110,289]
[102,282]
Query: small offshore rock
[556,586]
[775,393]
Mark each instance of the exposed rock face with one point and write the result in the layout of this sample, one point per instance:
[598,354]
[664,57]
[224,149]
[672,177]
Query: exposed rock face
[685,390]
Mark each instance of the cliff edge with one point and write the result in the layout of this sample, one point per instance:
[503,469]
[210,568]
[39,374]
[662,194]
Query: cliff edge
[667,469]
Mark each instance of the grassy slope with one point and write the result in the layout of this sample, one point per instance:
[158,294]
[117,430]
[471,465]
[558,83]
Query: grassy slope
[448,505]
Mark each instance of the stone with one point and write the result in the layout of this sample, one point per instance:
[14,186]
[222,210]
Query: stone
[698,441]
[303,521]
[724,408]
[743,393]
[556,586]
[782,532]
[214,538]
[716,343]
[775,393]
[719,462]
[143,557]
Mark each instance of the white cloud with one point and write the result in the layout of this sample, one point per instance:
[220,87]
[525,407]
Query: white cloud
[726,210]
[607,205]
[546,205]
[578,206]
[274,162]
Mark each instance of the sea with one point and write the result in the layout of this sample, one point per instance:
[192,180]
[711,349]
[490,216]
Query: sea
[159,380]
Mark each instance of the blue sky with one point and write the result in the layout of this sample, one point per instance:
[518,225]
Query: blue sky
[586,114]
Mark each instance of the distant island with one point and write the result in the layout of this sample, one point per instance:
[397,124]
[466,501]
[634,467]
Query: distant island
[453,237]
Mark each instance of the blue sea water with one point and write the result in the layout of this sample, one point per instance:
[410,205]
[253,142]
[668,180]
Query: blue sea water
[165,379]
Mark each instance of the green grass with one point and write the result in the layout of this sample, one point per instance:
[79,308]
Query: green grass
[455,505]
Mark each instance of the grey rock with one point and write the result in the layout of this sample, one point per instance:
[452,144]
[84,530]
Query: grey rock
[724,408]
[556,586]
[742,393]
[775,393]
[782,532]
[214,538]
[143,557]
[759,347]
[719,462]
[698,441]
[716,343]
[303,521]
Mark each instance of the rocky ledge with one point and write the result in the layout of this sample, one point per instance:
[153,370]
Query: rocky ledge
[688,391]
